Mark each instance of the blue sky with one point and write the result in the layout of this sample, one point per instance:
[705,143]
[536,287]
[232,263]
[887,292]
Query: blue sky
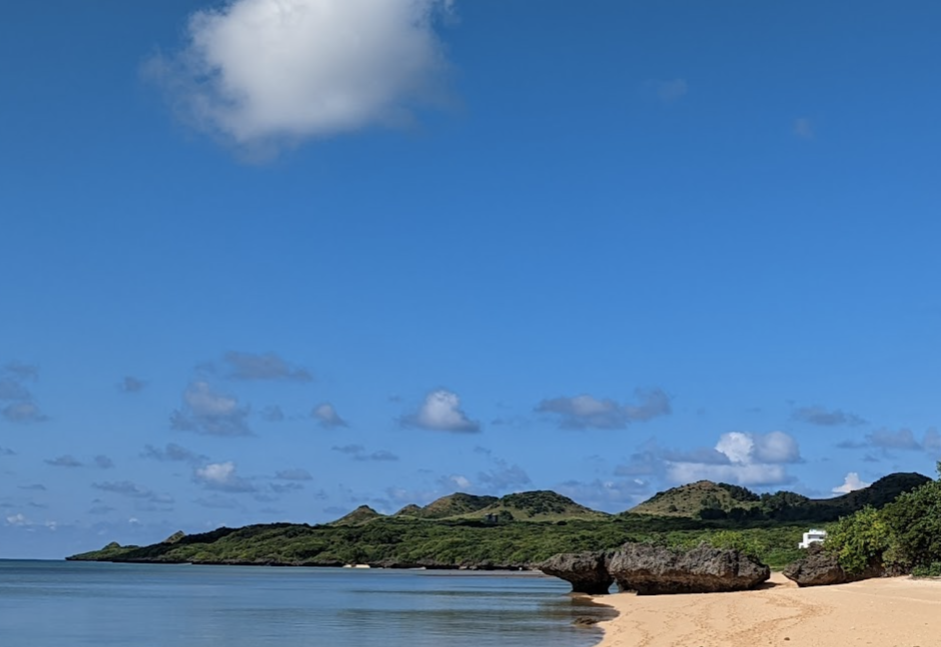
[268,260]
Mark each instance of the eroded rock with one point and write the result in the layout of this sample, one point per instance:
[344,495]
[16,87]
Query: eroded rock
[822,568]
[586,572]
[655,570]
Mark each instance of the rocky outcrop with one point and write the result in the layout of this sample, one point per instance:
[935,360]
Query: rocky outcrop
[586,572]
[654,570]
[822,568]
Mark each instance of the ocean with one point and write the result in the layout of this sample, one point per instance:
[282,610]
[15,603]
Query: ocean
[76,604]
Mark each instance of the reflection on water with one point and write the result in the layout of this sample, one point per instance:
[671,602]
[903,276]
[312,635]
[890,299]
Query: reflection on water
[77,604]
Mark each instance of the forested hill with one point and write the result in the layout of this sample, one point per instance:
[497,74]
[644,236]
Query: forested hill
[515,531]
[708,500]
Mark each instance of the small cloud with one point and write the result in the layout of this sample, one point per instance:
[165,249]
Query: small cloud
[22,371]
[22,408]
[932,441]
[272,413]
[295,474]
[441,411]
[11,389]
[210,413]
[222,476]
[327,416]
[66,460]
[35,487]
[804,128]
[359,453]
[265,366]
[134,491]
[901,439]
[23,413]
[100,509]
[851,483]
[851,444]
[588,412]
[284,488]
[218,502]
[18,520]
[455,480]
[172,453]
[670,91]
[131,384]
[817,415]
[103,462]
[6,451]
[124,488]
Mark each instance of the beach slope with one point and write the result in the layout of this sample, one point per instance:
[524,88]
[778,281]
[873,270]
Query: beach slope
[888,612]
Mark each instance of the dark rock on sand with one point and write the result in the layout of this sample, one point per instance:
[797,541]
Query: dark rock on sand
[586,572]
[654,570]
[822,568]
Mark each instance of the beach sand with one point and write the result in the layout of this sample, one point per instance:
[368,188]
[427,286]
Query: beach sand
[889,612]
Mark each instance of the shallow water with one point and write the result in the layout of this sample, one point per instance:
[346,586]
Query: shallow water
[73,604]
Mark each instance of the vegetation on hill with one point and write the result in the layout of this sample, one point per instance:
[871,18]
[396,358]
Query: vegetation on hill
[540,505]
[453,505]
[520,530]
[360,515]
[904,536]
[707,500]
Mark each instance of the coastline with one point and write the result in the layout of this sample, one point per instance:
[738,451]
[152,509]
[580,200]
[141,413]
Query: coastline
[884,612]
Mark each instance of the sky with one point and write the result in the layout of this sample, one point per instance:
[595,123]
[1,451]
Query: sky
[269,260]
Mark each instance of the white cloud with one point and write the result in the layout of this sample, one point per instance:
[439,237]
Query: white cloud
[208,412]
[457,480]
[851,483]
[327,415]
[740,474]
[222,476]
[743,458]
[263,72]
[441,411]
[748,448]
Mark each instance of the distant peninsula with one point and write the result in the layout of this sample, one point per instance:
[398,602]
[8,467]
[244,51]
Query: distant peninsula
[516,531]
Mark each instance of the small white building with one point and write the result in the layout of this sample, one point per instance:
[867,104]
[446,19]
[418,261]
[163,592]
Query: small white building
[813,536]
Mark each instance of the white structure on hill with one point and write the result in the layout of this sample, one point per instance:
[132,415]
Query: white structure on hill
[813,536]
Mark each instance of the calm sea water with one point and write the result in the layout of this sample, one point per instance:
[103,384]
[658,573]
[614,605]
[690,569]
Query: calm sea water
[72,604]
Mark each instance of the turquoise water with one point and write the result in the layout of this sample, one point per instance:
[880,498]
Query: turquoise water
[72,604]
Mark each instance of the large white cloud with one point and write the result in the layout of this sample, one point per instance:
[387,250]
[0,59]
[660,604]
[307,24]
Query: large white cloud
[270,71]
[441,411]
[742,458]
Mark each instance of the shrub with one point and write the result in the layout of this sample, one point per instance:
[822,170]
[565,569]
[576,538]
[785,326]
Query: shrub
[860,540]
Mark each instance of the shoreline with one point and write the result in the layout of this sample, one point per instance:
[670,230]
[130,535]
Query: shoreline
[882,612]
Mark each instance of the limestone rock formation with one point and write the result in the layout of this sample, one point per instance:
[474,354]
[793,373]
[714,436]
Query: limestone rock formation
[821,568]
[654,570]
[586,572]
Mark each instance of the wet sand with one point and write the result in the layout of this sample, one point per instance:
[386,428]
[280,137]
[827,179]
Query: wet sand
[889,612]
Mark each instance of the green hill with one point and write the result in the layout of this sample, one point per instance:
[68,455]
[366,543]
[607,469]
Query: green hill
[708,500]
[689,500]
[453,505]
[362,514]
[540,505]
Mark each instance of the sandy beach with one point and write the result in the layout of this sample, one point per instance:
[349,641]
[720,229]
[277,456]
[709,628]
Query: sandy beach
[891,612]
